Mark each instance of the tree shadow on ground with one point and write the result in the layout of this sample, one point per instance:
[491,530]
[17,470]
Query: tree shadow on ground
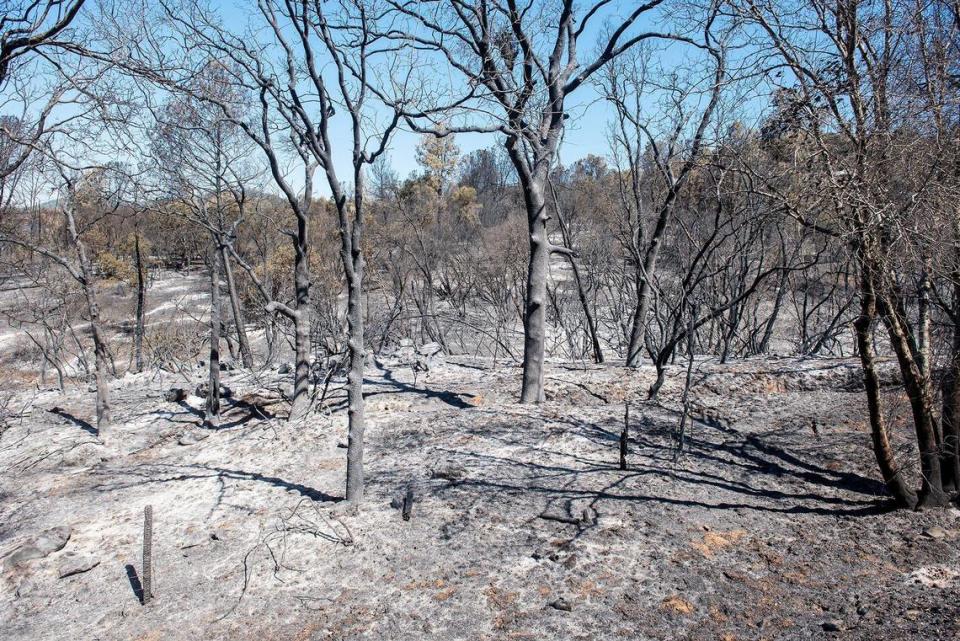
[79,422]
[452,399]
[230,406]
[743,471]
[153,474]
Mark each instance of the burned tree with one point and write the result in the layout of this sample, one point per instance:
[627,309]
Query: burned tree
[202,173]
[527,65]
[859,111]
[673,151]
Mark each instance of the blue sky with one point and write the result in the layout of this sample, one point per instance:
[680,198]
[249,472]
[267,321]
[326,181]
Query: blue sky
[586,130]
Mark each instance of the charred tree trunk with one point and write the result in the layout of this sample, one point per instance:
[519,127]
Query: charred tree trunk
[301,323]
[923,320]
[638,326]
[535,308]
[587,312]
[645,271]
[351,256]
[100,349]
[211,417]
[882,449]
[355,410]
[770,325]
[246,357]
[578,280]
[950,462]
[138,330]
[921,405]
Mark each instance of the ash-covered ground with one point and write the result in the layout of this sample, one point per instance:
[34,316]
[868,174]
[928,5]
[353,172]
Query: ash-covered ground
[771,524]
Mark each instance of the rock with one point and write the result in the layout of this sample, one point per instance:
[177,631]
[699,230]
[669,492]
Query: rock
[342,445]
[48,542]
[429,349]
[449,472]
[285,368]
[935,532]
[561,604]
[192,438]
[76,565]
[832,626]
[175,395]
[589,516]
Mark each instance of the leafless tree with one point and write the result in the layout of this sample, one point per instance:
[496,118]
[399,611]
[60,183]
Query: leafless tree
[525,63]
[29,25]
[862,138]
[673,151]
[203,168]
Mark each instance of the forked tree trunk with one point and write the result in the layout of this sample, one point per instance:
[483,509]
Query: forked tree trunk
[638,326]
[921,405]
[211,416]
[882,449]
[246,357]
[644,274]
[100,350]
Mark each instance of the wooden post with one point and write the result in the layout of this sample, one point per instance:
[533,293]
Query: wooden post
[624,435]
[407,504]
[147,553]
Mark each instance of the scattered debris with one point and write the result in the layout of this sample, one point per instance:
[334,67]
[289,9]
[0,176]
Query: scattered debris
[175,395]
